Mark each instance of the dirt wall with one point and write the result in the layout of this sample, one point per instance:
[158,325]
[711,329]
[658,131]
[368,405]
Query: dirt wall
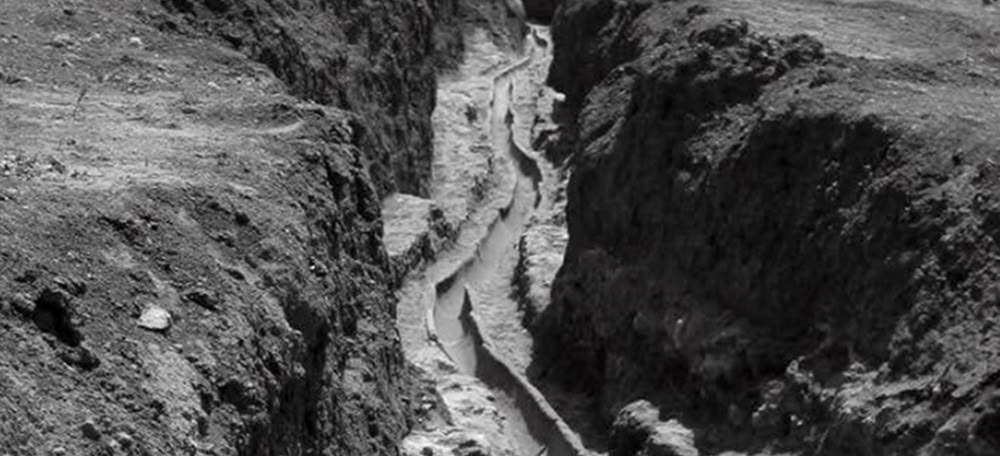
[779,243]
[191,258]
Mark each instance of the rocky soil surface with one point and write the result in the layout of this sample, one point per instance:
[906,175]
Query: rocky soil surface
[782,221]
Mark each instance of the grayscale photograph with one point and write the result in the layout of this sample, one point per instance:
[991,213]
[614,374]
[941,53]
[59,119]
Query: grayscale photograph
[499,228]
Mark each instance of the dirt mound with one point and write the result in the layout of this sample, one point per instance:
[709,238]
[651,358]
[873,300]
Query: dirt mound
[783,240]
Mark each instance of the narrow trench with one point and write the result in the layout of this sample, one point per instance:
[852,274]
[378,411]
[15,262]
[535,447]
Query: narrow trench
[500,240]
[532,424]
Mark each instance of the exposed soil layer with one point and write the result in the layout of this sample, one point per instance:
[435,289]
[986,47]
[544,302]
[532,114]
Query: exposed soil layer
[786,242]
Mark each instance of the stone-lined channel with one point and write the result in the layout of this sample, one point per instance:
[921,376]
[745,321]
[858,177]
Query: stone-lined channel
[532,424]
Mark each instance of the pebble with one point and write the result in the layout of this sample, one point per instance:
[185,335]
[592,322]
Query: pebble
[22,304]
[62,40]
[112,446]
[135,42]
[13,79]
[124,439]
[203,297]
[58,451]
[90,431]
[155,319]
[73,285]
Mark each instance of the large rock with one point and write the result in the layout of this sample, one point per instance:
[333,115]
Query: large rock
[413,232]
[540,250]
[638,431]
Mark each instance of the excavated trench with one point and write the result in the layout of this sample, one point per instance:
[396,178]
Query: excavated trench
[483,279]
[500,240]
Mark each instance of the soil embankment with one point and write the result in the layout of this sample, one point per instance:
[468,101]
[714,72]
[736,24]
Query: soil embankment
[782,237]
[191,255]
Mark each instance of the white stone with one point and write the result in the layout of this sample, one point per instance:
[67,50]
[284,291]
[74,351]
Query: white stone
[62,40]
[155,319]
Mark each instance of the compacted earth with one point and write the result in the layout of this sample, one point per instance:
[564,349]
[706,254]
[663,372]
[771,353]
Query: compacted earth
[488,227]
